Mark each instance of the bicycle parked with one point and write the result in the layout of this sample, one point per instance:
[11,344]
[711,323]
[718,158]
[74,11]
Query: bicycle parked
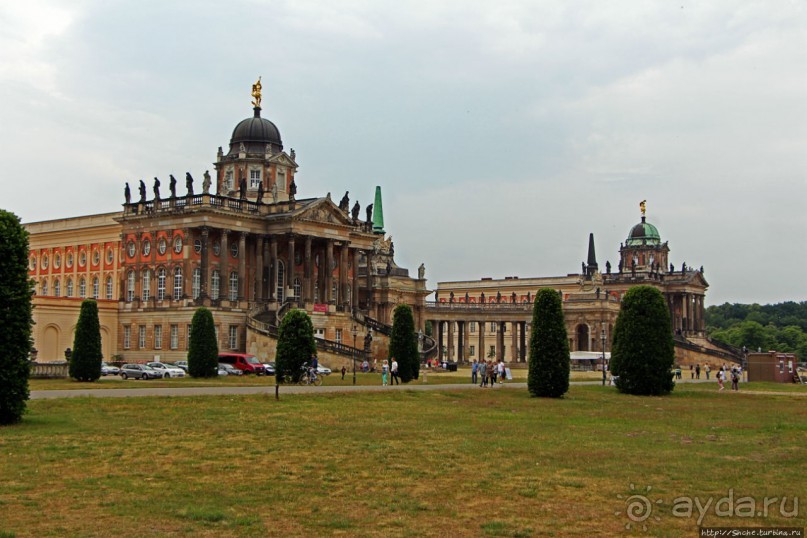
[308,376]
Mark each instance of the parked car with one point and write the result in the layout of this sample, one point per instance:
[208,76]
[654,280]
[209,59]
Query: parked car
[139,371]
[244,362]
[222,371]
[323,370]
[167,369]
[269,368]
[230,369]
[108,369]
[182,364]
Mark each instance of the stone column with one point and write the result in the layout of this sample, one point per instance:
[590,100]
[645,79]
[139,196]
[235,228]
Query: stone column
[290,269]
[343,255]
[500,340]
[481,354]
[273,269]
[460,341]
[514,341]
[307,271]
[264,240]
[258,268]
[440,341]
[205,263]
[354,291]
[369,256]
[243,293]
[329,298]
[523,336]
[450,340]
[224,266]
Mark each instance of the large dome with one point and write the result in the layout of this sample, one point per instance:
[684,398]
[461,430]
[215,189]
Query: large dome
[255,133]
[643,233]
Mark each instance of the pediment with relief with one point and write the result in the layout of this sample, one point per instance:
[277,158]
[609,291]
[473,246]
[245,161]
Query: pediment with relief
[324,210]
[283,159]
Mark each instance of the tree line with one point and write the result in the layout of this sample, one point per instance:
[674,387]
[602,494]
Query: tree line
[780,327]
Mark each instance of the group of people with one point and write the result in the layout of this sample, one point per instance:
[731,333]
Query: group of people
[486,373]
[735,373]
[389,367]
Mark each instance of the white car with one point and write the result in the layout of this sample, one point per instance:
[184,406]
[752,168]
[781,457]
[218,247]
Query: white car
[323,370]
[167,370]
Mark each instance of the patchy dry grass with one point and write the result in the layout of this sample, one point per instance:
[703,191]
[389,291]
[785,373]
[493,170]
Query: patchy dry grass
[403,463]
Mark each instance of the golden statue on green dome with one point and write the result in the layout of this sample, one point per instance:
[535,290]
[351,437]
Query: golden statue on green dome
[642,205]
[256,93]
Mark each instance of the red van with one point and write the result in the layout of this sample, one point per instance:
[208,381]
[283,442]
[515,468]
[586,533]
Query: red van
[244,362]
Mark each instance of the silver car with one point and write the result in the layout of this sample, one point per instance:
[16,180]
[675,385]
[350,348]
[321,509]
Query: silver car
[139,371]
[167,369]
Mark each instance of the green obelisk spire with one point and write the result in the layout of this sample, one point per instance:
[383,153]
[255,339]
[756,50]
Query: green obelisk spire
[378,213]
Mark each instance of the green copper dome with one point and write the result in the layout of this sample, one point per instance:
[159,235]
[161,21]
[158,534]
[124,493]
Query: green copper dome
[643,233]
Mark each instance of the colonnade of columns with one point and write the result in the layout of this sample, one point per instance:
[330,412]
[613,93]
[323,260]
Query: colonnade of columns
[256,267]
[465,341]
[687,312]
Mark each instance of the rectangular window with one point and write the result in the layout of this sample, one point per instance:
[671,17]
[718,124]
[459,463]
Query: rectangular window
[492,352]
[197,283]
[177,284]
[141,337]
[472,326]
[146,295]
[127,336]
[233,286]
[130,286]
[109,287]
[471,351]
[95,288]
[281,180]
[233,337]
[174,336]
[161,285]
[493,326]
[158,337]
[339,335]
[228,180]
[254,179]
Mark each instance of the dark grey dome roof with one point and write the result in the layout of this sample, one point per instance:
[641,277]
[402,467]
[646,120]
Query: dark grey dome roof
[255,133]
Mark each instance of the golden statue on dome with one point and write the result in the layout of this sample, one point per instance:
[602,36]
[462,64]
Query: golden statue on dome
[256,93]
[642,205]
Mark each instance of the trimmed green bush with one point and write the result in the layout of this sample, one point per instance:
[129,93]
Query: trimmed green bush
[85,362]
[549,362]
[15,318]
[295,345]
[642,353]
[203,351]
[403,343]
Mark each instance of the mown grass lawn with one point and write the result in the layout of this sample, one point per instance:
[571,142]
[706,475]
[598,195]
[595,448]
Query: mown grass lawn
[404,463]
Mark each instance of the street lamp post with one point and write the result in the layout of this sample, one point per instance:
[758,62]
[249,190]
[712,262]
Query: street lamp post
[354,332]
[602,335]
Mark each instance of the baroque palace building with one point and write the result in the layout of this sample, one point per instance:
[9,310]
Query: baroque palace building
[490,318]
[244,246]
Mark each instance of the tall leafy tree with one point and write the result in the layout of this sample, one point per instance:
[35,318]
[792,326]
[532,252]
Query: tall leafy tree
[85,362]
[642,353]
[295,345]
[403,344]
[549,362]
[15,318]
[203,351]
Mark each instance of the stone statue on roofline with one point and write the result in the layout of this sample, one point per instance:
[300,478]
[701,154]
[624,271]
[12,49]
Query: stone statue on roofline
[355,212]
[172,185]
[189,183]
[127,193]
[206,183]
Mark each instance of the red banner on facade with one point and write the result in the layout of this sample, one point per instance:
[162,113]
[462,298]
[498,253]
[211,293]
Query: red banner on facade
[320,308]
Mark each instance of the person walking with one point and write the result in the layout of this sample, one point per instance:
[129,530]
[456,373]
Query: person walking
[501,372]
[482,372]
[697,371]
[720,375]
[491,374]
[394,370]
[691,372]
[735,379]
[384,372]
[707,369]
[474,368]
[344,370]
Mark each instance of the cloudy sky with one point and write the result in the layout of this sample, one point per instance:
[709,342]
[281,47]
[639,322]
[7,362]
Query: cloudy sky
[502,133]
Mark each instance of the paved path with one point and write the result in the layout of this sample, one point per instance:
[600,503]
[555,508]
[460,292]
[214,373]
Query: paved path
[270,389]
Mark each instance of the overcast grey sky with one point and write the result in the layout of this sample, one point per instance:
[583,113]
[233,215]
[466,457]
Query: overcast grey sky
[501,133]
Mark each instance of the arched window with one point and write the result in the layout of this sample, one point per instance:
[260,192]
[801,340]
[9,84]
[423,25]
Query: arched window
[69,287]
[130,286]
[146,294]
[233,286]
[196,284]
[161,284]
[44,287]
[215,284]
[57,288]
[82,287]
[96,288]
[298,287]
[335,292]
[582,337]
[177,283]
[109,287]
[281,281]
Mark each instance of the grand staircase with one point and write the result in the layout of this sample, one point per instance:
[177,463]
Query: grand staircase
[266,322]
